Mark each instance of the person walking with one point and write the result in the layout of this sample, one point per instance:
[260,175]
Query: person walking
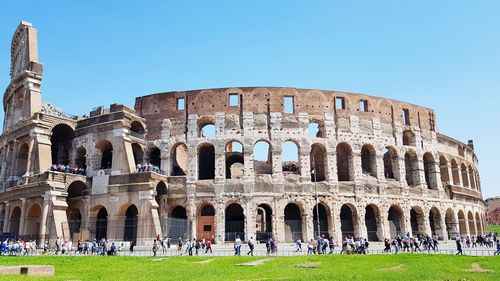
[498,248]
[459,246]
[298,243]
[250,246]
[237,246]
[208,247]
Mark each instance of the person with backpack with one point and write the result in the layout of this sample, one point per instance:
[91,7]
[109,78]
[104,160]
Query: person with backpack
[250,246]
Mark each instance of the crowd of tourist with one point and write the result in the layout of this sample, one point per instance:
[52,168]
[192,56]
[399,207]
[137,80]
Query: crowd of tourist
[148,167]
[67,169]
[18,247]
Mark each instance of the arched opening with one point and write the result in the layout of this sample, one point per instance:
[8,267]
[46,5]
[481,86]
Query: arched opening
[15,217]
[455,172]
[462,223]
[395,218]
[207,131]
[77,189]
[320,210]
[391,163]
[106,149]
[315,130]
[430,171]
[465,178]
[137,129]
[451,224]
[409,138]
[206,161]
[130,230]
[472,226]
[435,223]
[290,157]
[234,160]
[472,178]
[411,166]
[479,229]
[293,222]
[161,189]
[262,158]
[443,167]
[101,226]
[138,153]
[74,217]
[318,163]
[178,224]
[369,160]
[61,138]
[22,160]
[206,223]
[264,223]
[417,221]
[344,162]
[372,222]
[235,222]
[81,158]
[179,160]
[32,222]
[347,219]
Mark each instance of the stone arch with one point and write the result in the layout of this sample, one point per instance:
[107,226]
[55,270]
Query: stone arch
[369,160]
[22,160]
[206,127]
[106,149]
[396,221]
[290,157]
[409,138]
[262,158]
[206,222]
[179,159]
[391,163]
[61,137]
[443,165]
[348,220]
[293,222]
[411,167]
[77,189]
[235,162]
[417,221]
[345,162]
[435,222]
[472,226]
[324,213]
[465,179]
[316,129]
[373,223]
[206,161]
[101,225]
[318,162]
[177,223]
[455,172]
[81,158]
[234,222]
[161,190]
[131,223]
[153,156]
[137,129]
[15,219]
[462,223]
[479,229]
[430,171]
[138,153]
[32,222]
[264,222]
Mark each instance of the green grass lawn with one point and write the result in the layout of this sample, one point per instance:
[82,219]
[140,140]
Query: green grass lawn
[371,267]
[493,228]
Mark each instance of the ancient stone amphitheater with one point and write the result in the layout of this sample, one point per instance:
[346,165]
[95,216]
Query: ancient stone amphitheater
[217,163]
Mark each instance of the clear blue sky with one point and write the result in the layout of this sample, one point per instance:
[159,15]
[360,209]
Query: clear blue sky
[440,54]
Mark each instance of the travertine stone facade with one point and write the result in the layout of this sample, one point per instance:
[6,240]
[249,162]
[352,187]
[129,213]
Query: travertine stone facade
[249,161]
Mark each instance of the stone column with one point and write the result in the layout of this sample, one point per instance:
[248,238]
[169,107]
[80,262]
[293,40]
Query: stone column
[380,167]
[43,221]
[467,229]
[249,213]
[13,169]
[427,224]
[220,222]
[6,217]
[337,223]
[307,225]
[22,219]
[420,173]
[362,231]
[444,230]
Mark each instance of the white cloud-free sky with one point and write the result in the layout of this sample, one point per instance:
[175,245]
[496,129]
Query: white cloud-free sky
[440,54]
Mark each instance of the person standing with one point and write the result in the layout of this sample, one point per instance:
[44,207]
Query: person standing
[208,247]
[237,246]
[298,243]
[250,246]
[498,248]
